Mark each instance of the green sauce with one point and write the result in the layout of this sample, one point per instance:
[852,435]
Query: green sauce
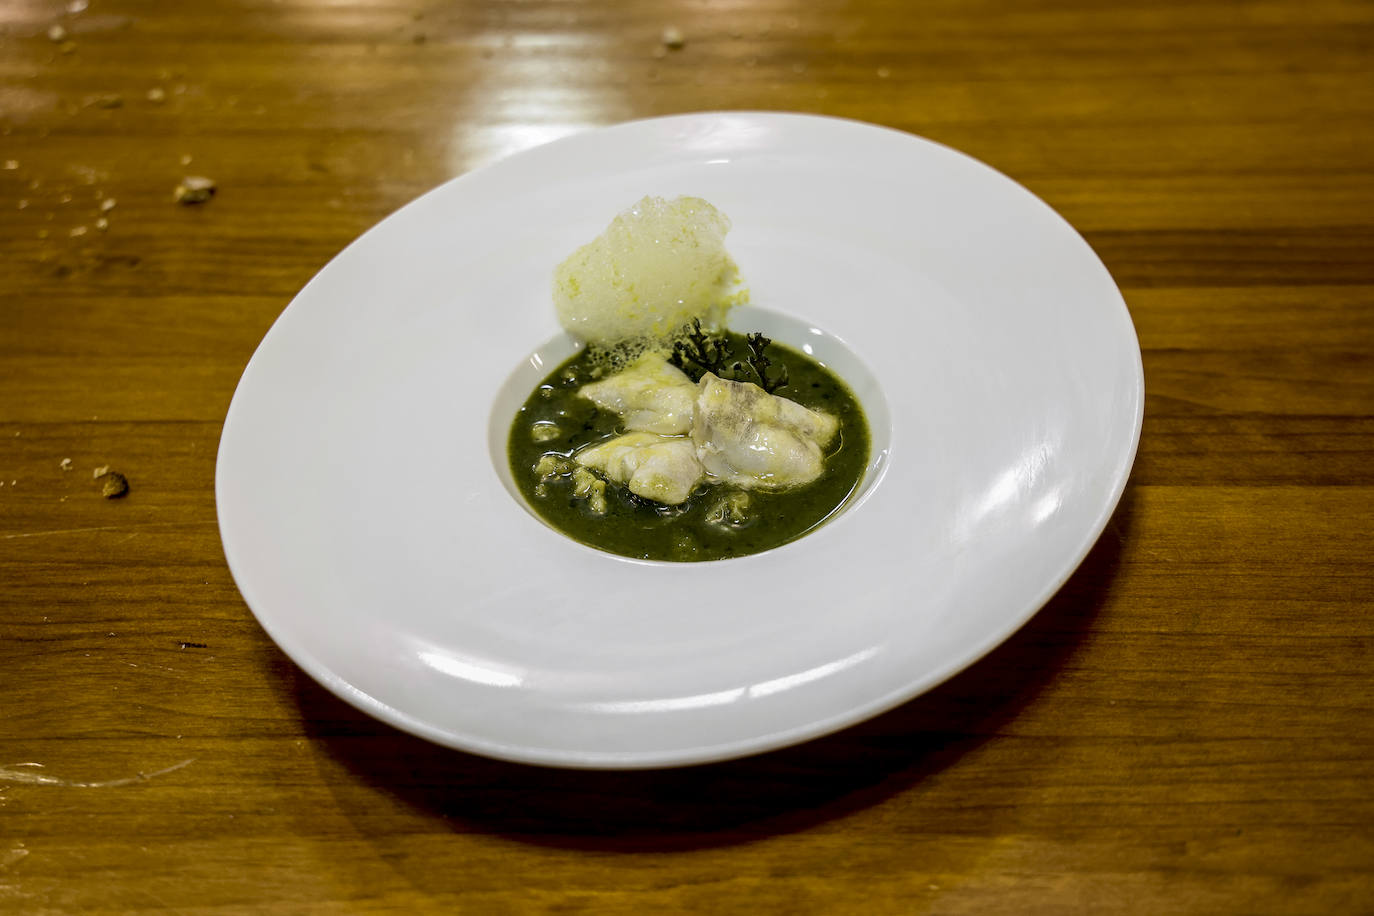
[711,524]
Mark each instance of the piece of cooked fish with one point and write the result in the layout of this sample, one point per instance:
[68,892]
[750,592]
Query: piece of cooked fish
[650,395]
[753,439]
[662,468]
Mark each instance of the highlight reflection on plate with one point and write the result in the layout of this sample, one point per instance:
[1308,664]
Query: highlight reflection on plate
[360,479]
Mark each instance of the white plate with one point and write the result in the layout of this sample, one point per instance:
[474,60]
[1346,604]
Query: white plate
[364,502]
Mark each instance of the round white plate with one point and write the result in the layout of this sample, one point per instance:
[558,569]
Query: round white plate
[366,508]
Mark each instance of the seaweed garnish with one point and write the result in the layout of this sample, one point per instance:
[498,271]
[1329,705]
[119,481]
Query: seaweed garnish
[759,363]
[700,352]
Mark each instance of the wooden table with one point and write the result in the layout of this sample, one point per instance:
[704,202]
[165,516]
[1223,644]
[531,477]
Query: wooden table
[1185,728]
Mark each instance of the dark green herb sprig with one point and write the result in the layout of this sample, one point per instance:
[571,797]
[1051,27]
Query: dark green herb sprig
[701,352]
[759,363]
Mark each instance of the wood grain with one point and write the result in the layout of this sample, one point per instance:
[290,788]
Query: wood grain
[1185,728]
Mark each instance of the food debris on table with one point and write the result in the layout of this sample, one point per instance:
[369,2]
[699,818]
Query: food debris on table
[56,33]
[115,485]
[195,189]
[65,464]
[157,95]
[673,38]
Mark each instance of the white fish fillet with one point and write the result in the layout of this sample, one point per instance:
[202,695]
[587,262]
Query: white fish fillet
[650,395]
[664,469]
[752,439]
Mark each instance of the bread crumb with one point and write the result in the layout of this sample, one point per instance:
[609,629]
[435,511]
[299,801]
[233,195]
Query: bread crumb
[107,205]
[157,95]
[195,189]
[115,486]
[77,231]
[673,37]
[65,464]
[101,471]
[102,224]
[11,164]
[56,33]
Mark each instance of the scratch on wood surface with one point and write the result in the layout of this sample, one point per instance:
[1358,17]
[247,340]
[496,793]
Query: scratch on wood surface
[43,534]
[28,777]
[12,892]
[40,534]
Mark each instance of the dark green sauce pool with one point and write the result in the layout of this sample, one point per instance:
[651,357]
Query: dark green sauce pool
[712,524]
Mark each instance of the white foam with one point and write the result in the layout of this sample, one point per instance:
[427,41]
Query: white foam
[657,266]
